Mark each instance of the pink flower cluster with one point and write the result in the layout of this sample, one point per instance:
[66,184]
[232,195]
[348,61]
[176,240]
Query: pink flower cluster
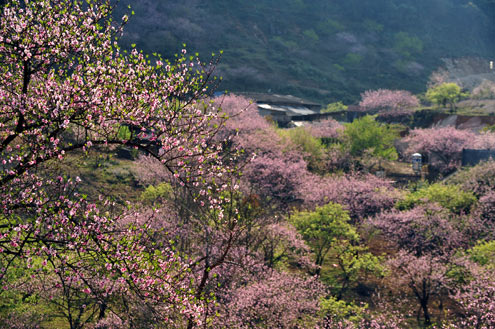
[388,102]
[67,86]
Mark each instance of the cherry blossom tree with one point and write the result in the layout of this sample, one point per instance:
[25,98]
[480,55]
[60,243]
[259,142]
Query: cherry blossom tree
[66,87]
[473,297]
[278,300]
[326,129]
[276,179]
[427,237]
[484,216]
[388,102]
[244,117]
[360,195]
[124,274]
[255,238]
[426,276]
[272,167]
[426,229]
[442,145]
[479,179]
[253,251]
[230,255]
[477,302]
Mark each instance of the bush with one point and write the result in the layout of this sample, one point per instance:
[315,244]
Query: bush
[450,197]
[155,193]
[311,146]
[339,310]
[366,134]
[446,93]
[334,107]
[483,253]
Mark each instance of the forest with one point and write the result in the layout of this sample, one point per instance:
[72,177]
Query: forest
[133,197]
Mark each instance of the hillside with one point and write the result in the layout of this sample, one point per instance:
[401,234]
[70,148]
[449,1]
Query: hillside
[321,50]
[132,199]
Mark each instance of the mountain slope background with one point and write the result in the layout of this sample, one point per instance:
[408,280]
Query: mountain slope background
[318,49]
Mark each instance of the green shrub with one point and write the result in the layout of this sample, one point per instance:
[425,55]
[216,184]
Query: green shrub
[334,107]
[366,134]
[450,197]
[311,146]
[446,93]
[154,193]
[124,133]
[341,310]
[483,253]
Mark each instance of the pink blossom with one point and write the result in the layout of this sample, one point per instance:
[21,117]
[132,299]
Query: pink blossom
[388,102]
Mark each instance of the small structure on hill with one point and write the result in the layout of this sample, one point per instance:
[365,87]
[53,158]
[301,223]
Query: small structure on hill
[417,163]
[283,108]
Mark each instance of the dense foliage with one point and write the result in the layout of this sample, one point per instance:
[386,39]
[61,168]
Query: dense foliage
[365,136]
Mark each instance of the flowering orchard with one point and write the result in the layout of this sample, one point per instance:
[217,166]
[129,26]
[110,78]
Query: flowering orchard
[240,224]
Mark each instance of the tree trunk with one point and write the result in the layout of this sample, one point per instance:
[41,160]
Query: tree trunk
[426,313]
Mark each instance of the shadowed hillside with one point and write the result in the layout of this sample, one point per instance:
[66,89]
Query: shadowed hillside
[318,49]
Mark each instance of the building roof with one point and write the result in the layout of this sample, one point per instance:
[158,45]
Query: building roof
[285,100]
[289,110]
